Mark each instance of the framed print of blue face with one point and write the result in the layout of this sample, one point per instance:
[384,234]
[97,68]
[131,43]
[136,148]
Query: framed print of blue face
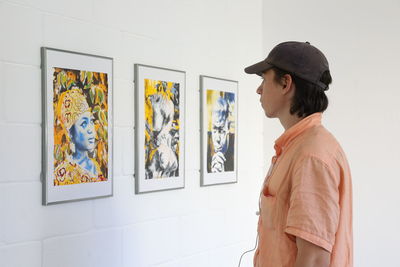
[77,91]
[219,130]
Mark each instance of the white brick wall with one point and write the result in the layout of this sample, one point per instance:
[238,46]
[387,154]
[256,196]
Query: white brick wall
[152,242]
[93,249]
[20,158]
[190,227]
[22,93]
[26,220]
[21,34]
[20,255]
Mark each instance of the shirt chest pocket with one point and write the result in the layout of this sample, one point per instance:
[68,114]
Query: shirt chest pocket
[268,211]
[272,200]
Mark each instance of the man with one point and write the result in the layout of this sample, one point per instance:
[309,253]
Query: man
[305,216]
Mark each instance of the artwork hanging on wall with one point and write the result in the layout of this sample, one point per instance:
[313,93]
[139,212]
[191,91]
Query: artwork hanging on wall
[218,130]
[77,126]
[160,129]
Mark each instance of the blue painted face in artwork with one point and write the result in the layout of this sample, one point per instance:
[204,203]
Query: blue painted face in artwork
[219,135]
[220,125]
[83,134]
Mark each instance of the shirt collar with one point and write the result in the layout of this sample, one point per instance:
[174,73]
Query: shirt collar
[296,130]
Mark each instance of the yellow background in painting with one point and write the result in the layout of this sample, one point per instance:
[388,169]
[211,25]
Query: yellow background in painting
[150,88]
[212,96]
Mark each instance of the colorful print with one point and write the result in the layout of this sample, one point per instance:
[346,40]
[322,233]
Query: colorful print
[161,129]
[221,131]
[80,106]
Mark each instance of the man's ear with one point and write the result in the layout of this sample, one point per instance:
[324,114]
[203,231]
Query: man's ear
[287,83]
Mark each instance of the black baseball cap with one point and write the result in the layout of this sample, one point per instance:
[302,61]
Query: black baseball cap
[298,58]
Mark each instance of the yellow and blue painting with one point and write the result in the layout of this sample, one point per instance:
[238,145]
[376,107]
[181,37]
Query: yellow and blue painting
[80,104]
[162,126]
[221,131]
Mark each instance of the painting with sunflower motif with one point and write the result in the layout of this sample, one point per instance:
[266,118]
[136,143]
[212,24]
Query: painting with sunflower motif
[77,91]
[159,128]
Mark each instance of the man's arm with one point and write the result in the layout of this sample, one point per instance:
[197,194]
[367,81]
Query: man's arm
[310,255]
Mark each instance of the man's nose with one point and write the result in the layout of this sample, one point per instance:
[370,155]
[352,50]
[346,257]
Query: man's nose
[259,89]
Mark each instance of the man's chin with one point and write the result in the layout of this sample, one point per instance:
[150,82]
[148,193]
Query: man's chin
[269,115]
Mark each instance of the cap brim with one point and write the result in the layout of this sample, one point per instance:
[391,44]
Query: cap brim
[258,68]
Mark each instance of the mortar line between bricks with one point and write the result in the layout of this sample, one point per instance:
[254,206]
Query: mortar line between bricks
[125,226]
[5,244]
[17,243]
[208,250]
[42,11]
[7,182]
[150,38]
[122,247]
[91,231]
[82,21]
[11,123]
[42,252]
[19,64]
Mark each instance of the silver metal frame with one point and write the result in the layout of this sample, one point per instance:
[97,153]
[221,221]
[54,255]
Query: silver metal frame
[44,174]
[137,120]
[203,131]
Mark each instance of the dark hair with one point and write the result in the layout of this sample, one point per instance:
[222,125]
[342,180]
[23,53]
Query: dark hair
[308,98]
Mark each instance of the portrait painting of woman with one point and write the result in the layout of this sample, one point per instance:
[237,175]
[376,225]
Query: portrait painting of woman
[77,126]
[80,125]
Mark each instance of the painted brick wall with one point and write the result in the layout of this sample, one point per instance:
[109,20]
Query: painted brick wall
[195,226]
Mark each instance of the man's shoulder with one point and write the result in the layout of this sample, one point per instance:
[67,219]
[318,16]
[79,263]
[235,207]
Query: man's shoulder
[318,142]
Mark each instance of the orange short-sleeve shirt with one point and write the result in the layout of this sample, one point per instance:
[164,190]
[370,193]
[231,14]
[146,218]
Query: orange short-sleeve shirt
[308,194]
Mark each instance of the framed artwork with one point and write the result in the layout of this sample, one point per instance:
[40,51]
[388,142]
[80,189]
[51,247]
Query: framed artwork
[219,122]
[160,129]
[77,126]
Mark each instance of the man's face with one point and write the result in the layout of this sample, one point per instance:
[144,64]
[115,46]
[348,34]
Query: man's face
[270,92]
[219,134]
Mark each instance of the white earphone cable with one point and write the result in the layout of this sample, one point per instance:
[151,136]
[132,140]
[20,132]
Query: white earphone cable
[240,261]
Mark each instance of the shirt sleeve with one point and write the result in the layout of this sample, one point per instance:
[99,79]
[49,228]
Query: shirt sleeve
[314,203]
